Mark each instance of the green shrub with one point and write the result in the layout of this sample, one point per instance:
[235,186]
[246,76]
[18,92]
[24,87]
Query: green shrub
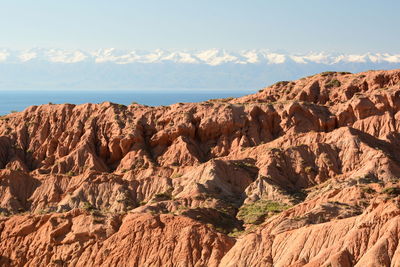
[43,211]
[96,213]
[368,190]
[327,73]
[367,179]
[162,196]
[256,212]
[87,206]
[332,83]
[70,173]
[391,191]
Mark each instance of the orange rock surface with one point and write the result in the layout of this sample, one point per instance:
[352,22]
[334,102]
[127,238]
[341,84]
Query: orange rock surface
[302,173]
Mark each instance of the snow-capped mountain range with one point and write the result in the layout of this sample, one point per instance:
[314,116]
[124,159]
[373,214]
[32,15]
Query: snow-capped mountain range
[41,68]
[212,57]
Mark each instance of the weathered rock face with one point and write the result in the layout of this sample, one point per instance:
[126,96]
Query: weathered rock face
[80,239]
[302,173]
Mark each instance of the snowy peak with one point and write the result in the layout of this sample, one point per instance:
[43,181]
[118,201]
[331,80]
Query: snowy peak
[212,57]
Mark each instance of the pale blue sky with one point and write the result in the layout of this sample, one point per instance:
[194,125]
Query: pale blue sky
[292,25]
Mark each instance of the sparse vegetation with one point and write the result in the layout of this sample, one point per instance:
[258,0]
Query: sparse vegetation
[163,196]
[332,83]
[237,232]
[391,191]
[298,218]
[43,211]
[142,203]
[309,169]
[4,213]
[256,212]
[98,221]
[368,190]
[87,206]
[244,164]
[70,173]
[227,99]
[327,73]
[96,213]
[20,210]
[176,175]
[281,83]
[367,179]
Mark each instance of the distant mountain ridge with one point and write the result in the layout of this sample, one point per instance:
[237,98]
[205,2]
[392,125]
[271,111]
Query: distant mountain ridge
[41,68]
[211,57]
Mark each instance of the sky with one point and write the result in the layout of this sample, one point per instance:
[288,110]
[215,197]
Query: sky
[297,26]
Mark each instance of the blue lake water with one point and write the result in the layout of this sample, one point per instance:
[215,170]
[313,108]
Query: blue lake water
[19,100]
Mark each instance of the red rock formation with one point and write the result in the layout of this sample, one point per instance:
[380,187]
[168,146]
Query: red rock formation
[302,173]
[81,239]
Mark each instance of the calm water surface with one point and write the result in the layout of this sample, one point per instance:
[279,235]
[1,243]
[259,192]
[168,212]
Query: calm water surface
[19,100]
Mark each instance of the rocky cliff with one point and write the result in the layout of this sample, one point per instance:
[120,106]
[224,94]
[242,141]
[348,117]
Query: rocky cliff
[302,173]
